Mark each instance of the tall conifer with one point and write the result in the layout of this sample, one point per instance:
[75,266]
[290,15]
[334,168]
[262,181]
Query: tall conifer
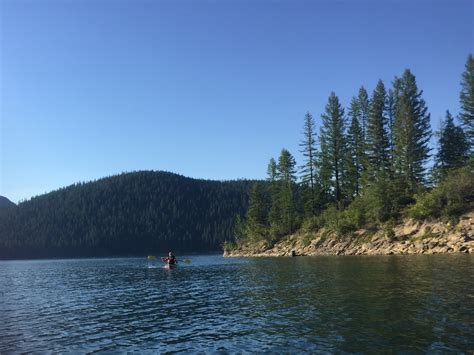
[355,152]
[453,146]
[467,100]
[257,212]
[377,137]
[286,195]
[308,169]
[412,132]
[364,109]
[390,122]
[333,149]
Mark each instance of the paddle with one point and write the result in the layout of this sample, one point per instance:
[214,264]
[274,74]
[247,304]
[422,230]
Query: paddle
[186,261]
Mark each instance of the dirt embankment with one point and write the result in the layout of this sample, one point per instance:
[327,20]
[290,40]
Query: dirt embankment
[411,237]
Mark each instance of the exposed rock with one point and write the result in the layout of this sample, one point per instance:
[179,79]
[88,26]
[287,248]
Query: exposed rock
[411,237]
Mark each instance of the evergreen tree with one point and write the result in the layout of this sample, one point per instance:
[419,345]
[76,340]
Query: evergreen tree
[286,167]
[274,216]
[283,214]
[333,152]
[412,132]
[355,152]
[467,100]
[323,164]
[390,122]
[272,171]
[239,231]
[287,197]
[257,212]
[377,137]
[453,146]
[364,109]
[308,169]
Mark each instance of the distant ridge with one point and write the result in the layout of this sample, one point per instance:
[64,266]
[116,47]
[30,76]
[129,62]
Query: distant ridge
[5,202]
[137,213]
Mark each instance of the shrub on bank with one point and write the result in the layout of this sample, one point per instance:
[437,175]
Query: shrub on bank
[452,197]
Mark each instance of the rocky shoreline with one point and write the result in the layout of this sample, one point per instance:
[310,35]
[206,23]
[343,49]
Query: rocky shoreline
[410,237]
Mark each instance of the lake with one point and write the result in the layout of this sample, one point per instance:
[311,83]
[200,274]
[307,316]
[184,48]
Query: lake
[329,304]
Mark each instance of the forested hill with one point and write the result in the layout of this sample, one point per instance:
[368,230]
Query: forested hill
[5,202]
[129,214]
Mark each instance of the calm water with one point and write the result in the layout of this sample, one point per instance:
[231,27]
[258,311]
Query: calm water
[335,304]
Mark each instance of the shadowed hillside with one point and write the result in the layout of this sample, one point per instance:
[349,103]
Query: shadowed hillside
[128,214]
[5,202]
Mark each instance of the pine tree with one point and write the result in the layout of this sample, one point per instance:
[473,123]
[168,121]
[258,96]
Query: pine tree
[355,152]
[390,122]
[283,213]
[453,146]
[377,138]
[272,171]
[274,216]
[333,152]
[308,169]
[285,199]
[467,100]
[257,212]
[412,132]
[286,167]
[364,109]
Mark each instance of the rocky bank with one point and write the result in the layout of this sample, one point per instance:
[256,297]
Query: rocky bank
[410,237]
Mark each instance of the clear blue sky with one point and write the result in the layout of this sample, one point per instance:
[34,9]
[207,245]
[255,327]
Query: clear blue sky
[207,89]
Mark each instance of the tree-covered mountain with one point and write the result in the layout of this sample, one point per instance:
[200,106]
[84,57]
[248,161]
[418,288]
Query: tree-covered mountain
[5,202]
[129,214]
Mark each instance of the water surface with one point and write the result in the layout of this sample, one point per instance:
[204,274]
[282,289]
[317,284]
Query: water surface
[337,304]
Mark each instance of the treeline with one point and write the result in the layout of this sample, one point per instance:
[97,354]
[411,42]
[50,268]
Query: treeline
[129,214]
[367,165]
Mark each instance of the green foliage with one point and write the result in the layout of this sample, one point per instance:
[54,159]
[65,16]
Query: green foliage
[283,212]
[453,147]
[356,213]
[390,112]
[364,109]
[272,171]
[411,132]
[340,221]
[366,177]
[379,200]
[238,231]
[128,214]
[388,228]
[375,206]
[355,155]
[451,198]
[333,219]
[257,220]
[229,245]
[377,137]
[308,169]
[466,99]
[333,147]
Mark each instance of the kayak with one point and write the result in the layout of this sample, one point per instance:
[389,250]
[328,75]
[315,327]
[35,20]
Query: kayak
[169,266]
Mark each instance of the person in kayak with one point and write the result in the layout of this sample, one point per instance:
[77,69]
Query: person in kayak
[170,259]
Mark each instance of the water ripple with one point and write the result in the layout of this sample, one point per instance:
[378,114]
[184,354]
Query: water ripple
[320,304]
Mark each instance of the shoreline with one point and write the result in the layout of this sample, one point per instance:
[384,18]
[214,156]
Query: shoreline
[410,237]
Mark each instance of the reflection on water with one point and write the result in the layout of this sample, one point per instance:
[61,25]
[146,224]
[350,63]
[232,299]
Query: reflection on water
[354,304]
